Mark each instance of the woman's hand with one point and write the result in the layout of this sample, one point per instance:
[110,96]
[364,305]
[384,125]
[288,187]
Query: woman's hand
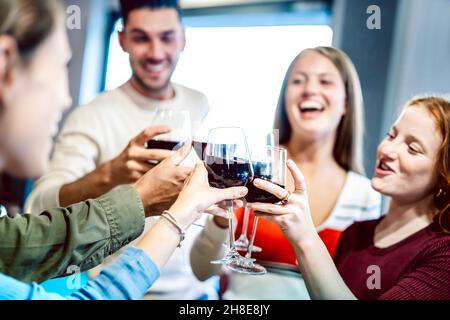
[198,197]
[294,218]
[160,187]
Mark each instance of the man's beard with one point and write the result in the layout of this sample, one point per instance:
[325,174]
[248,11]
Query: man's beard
[149,88]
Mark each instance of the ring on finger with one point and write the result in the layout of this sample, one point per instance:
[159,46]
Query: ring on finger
[285,200]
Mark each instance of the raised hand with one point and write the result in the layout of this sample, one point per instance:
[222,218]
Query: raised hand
[294,217]
[160,187]
[133,162]
[198,197]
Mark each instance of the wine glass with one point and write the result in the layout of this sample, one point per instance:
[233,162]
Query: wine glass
[179,121]
[268,163]
[228,163]
[242,243]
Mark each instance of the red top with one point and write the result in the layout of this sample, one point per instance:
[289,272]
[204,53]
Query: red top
[417,267]
[277,250]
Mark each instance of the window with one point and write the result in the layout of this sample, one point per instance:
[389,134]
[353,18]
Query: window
[239,68]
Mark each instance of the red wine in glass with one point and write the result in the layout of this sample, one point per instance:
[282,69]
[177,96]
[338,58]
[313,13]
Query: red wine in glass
[224,173]
[261,170]
[227,161]
[162,144]
[258,195]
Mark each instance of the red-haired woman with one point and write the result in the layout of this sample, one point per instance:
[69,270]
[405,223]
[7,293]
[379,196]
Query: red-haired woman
[405,254]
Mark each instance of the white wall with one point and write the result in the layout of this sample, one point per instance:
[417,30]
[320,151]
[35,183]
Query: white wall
[88,45]
[421,54]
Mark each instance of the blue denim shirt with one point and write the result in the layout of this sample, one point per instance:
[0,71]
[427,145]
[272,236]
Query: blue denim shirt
[129,278]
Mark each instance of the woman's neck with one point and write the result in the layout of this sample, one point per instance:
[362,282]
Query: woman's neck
[407,216]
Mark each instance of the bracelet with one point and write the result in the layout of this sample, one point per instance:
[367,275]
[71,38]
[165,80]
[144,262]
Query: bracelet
[168,216]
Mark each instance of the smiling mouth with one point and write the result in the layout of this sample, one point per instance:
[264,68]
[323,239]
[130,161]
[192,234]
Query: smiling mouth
[382,166]
[311,107]
[154,68]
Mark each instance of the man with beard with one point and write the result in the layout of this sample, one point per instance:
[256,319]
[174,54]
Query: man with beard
[93,153]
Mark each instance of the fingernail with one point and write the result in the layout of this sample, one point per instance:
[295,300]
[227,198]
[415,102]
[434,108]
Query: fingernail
[243,191]
[256,182]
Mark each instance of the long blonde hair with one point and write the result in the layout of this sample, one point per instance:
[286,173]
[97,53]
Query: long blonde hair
[347,150]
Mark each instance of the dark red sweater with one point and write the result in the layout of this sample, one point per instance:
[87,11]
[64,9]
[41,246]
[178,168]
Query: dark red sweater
[417,267]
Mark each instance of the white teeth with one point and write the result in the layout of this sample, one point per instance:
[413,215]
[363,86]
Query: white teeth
[154,68]
[384,167]
[311,105]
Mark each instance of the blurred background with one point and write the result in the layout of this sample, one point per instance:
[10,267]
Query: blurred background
[238,51]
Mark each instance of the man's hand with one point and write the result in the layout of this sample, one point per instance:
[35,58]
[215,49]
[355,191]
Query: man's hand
[160,187]
[130,165]
[133,162]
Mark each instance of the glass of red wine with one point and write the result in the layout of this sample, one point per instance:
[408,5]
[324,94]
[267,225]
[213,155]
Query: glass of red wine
[242,243]
[268,163]
[227,160]
[179,121]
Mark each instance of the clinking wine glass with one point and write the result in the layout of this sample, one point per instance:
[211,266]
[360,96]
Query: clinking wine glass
[179,121]
[242,243]
[228,163]
[269,164]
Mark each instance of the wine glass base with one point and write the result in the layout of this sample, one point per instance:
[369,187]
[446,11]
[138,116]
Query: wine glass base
[231,256]
[246,267]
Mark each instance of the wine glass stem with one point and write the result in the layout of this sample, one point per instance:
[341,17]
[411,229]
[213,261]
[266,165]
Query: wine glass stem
[245,222]
[230,222]
[250,246]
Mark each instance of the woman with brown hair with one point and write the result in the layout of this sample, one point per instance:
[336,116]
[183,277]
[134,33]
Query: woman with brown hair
[34,52]
[405,254]
[320,120]
[34,92]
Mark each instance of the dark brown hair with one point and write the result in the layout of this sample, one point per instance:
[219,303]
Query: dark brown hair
[347,150]
[126,6]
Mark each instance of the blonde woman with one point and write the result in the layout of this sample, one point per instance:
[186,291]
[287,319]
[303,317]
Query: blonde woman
[320,120]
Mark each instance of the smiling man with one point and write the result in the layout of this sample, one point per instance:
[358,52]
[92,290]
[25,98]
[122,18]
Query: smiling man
[154,40]
[102,145]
